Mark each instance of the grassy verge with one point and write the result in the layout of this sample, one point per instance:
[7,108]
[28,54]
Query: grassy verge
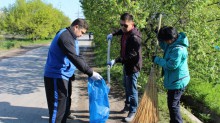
[203,98]
[12,44]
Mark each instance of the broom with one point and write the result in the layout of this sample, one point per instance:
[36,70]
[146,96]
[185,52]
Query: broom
[147,111]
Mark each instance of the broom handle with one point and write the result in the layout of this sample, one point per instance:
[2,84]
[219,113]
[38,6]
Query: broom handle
[158,29]
[156,45]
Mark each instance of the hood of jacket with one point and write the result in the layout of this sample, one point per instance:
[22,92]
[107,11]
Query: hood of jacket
[136,32]
[182,40]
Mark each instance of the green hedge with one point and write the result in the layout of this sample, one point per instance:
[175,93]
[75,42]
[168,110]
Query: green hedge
[198,19]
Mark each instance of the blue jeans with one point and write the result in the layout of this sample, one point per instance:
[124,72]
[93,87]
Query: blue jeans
[131,91]
[173,101]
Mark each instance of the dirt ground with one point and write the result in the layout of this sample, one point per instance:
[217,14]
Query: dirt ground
[80,106]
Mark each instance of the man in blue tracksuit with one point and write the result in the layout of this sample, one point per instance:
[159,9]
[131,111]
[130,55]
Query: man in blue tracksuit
[63,59]
[175,68]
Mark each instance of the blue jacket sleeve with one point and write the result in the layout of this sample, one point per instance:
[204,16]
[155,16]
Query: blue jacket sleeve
[173,62]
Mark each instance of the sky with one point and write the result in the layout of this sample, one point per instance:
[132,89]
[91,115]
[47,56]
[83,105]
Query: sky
[70,8]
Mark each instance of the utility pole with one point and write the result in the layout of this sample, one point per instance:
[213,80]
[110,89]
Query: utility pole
[78,11]
[78,14]
[60,5]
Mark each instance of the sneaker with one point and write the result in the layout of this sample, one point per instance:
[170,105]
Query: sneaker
[71,116]
[130,117]
[125,109]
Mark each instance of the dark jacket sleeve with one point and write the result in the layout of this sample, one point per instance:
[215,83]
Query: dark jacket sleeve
[117,32]
[68,48]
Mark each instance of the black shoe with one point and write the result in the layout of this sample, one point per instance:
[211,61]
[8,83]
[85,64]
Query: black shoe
[125,109]
[130,117]
[71,116]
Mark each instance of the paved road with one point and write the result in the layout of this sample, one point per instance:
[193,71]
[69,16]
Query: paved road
[22,94]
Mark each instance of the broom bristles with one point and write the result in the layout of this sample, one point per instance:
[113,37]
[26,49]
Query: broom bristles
[147,111]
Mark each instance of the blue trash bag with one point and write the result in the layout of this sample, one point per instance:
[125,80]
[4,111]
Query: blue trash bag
[98,101]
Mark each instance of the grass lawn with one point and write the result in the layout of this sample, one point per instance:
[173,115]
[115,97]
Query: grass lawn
[12,44]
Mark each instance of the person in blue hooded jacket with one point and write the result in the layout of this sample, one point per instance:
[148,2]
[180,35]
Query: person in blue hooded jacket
[175,68]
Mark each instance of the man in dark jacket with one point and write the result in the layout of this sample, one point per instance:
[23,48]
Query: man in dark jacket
[131,59]
[63,59]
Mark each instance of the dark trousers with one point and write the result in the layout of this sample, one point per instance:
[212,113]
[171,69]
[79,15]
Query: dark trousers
[173,101]
[56,93]
[69,101]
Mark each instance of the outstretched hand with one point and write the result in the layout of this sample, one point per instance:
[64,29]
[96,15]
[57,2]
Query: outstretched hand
[109,37]
[96,76]
[111,63]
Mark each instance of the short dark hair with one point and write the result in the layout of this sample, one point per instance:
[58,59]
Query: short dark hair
[81,23]
[126,16]
[167,33]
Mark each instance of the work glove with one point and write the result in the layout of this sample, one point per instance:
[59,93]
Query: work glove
[153,58]
[109,37]
[96,76]
[111,63]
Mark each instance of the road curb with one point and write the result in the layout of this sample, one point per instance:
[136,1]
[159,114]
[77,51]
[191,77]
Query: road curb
[193,118]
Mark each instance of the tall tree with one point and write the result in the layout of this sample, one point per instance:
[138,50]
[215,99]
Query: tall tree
[34,19]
